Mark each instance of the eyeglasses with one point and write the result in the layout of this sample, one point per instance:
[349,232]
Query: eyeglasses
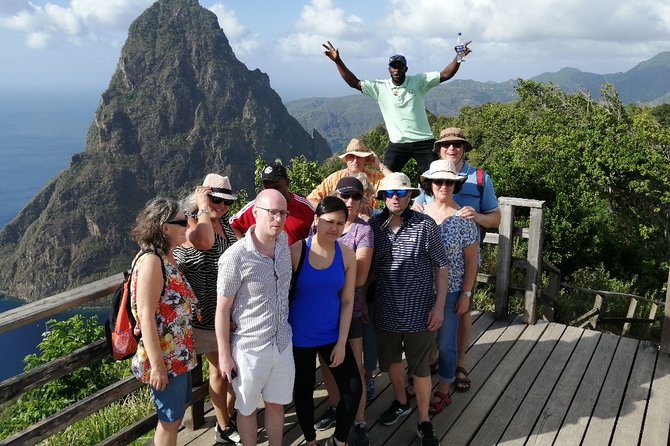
[440,183]
[183,222]
[401,193]
[353,195]
[274,213]
[219,200]
[456,144]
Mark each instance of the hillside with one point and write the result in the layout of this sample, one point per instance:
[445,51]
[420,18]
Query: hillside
[179,105]
[340,119]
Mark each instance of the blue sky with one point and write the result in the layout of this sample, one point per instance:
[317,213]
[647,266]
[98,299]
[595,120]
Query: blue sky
[48,44]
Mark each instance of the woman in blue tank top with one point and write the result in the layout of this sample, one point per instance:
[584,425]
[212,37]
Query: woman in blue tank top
[320,315]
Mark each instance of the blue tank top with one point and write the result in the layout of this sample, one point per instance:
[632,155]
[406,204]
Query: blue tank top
[314,314]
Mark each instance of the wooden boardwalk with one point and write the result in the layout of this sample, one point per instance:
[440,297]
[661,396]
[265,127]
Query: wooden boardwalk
[537,385]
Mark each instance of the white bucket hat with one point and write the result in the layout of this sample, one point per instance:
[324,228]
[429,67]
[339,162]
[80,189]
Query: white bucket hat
[220,186]
[443,170]
[396,181]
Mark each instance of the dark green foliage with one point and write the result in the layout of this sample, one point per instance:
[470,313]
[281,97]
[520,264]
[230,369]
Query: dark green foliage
[62,339]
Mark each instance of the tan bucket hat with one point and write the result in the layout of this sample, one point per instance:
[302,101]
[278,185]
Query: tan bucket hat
[396,181]
[220,186]
[443,170]
[357,147]
[452,134]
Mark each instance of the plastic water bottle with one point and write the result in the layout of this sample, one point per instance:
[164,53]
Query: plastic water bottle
[460,49]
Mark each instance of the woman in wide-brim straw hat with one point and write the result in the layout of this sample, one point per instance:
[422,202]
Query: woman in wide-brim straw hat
[459,236]
[208,236]
[357,156]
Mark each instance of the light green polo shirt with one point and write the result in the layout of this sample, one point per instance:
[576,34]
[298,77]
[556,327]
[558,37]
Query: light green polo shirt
[404,107]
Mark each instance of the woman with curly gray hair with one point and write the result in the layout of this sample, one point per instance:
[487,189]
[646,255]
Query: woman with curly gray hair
[163,304]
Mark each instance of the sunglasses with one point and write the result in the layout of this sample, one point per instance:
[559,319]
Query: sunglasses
[353,195]
[456,144]
[440,183]
[219,200]
[183,222]
[401,193]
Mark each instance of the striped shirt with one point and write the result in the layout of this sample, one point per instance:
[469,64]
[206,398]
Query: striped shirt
[200,269]
[259,285]
[403,265]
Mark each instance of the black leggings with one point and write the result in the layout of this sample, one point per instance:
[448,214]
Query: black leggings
[348,383]
[397,155]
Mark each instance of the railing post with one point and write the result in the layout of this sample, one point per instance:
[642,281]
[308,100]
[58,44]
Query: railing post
[534,257]
[505,232]
[195,414]
[665,334]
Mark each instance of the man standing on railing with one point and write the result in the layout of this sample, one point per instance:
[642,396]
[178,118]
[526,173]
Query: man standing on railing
[252,288]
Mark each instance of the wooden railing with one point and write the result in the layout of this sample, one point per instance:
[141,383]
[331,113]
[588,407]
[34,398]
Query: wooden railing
[13,387]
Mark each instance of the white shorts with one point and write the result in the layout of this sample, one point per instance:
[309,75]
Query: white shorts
[265,374]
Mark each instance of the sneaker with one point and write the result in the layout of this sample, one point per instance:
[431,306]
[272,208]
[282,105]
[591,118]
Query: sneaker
[393,413]
[327,420]
[360,435]
[370,386]
[227,435]
[425,432]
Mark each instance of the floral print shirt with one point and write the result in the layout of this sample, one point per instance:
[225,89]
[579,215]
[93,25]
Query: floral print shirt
[176,308]
[457,234]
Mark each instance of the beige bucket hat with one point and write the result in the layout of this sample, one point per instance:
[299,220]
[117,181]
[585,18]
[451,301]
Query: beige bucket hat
[396,181]
[452,134]
[357,147]
[443,170]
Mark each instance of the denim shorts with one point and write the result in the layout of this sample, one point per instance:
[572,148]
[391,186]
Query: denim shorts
[172,401]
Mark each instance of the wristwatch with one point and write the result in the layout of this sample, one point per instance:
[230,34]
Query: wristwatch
[468,293]
[201,211]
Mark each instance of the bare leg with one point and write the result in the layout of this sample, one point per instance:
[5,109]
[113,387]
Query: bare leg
[218,391]
[247,426]
[329,382]
[422,386]
[166,433]
[397,377]
[274,423]
[357,347]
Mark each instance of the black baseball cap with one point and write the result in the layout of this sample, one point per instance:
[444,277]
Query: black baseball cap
[348,185]
[274,172]
[397,58]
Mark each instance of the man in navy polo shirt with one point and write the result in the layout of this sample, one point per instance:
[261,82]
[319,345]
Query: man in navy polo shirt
[410,266]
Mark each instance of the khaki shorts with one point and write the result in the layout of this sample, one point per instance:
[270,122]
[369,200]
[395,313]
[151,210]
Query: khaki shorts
[205,341]
[391,345]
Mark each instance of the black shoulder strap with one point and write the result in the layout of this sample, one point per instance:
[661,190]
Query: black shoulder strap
[294,276]
[152,251]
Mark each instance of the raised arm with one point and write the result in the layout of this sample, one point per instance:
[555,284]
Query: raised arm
[450,70]
[349,77]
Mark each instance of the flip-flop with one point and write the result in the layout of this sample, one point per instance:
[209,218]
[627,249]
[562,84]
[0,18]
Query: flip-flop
[462,384]
[444,399]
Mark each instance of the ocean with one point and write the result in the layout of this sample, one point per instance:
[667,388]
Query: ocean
[39,133]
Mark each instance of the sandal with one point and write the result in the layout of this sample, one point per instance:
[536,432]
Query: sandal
[462,384]
[444,399]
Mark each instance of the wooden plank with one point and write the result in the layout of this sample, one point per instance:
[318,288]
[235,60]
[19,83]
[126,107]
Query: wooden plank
[534,271]
[49,306]
[501,416]
[629,315]
[597,305]
[483,402]
[523,202]
[504,259]
[657,417]
[601,425]
[20,384]
[494,353]
[579,413]
[131,433]
[543,409]
[66,417]
[631,415]
[665,329]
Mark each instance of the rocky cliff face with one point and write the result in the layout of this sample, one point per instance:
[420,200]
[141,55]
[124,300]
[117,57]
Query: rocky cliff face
[179,105]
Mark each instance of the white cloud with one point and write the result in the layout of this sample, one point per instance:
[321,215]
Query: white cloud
[75,22]
[242,40]
[320,21]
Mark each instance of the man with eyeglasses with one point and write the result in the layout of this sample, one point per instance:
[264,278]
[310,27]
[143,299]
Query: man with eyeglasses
[479,203]
[252,292]
[300,212]
[401,100]
[410,266]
